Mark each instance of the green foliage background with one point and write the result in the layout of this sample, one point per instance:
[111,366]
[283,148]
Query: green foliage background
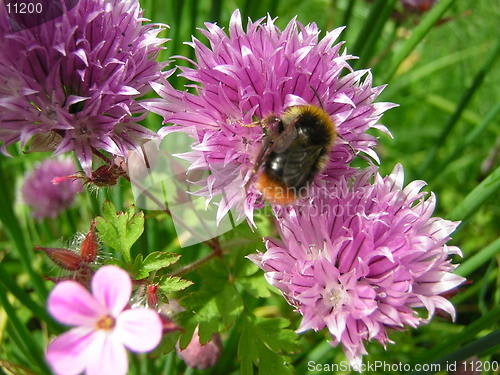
[446,131]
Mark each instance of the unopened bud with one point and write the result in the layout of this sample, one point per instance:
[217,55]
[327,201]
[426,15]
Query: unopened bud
[89,247]
[64,258]
[201,356]
[152,296]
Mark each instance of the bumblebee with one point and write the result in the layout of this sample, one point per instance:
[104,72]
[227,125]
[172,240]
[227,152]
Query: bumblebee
[295,149]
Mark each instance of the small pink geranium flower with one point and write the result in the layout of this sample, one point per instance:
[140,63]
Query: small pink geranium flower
[104,327]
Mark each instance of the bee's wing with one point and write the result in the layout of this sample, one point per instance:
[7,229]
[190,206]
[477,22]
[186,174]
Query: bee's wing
[284,139]
[299,163]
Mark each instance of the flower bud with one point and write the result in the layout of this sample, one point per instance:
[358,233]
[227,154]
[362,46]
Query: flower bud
[89,247]
[64,258]
[200,356]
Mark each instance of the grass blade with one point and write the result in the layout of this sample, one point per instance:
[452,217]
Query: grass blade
[15,232]
[37,310]
[365,32]
[216,10]
[348,13]
[421,73]
[467,334]
[478,259]
[473,289]
[464,101]
[418,34]
[366,53]
[476,347]
[22,331]
[476,197]
[471,137]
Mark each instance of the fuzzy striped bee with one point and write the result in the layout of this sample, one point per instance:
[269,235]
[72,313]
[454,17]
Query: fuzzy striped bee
[295,149]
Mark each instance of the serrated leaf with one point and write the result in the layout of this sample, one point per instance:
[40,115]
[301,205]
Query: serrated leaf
[215,306]
[159,259]
[171,284]
[137,270]
[259,347]
[282,338]
[120,230]
[256,285]
[229,304]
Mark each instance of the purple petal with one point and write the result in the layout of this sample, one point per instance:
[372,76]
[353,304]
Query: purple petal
[140,330]
[336,323]
[69,353]
[111,359]
[70,303]
[112,287]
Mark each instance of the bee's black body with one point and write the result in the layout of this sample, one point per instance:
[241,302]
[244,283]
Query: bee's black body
[295,153]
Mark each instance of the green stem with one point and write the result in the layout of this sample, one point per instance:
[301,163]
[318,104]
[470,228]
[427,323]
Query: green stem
[368,26]
[369,47]
[477,260]
[23,297]
[472,290]
[464,101]
[15,232]
[22,331]
[170,364]
[471,137]
[489,186]
[418,34]
[472,329]
[476,347]
[423,72]
[216,10]
[18,342]
[348,13]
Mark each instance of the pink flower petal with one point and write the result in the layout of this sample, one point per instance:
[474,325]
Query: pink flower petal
[111,359]
[139,329]
[112,287]
[69,353]
[70,303]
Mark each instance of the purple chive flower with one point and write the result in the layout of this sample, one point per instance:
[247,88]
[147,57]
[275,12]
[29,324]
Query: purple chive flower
[72,83]
[248,75]
[359,259]
[103,325]
[200,356]
[45,198]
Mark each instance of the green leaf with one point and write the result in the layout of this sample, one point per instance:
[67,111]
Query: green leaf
[120,230]
[256,285]
[214,307]
[462,104]
[263,342]
[490,341]
[153,262]
[167,344]
[487,188]
[477,260]
[418,34]
[159,259]
[173,284]
[13,229]
[455,341]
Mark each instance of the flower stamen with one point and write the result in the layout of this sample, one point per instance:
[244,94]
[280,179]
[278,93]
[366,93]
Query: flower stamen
[105,323]
[334,296]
